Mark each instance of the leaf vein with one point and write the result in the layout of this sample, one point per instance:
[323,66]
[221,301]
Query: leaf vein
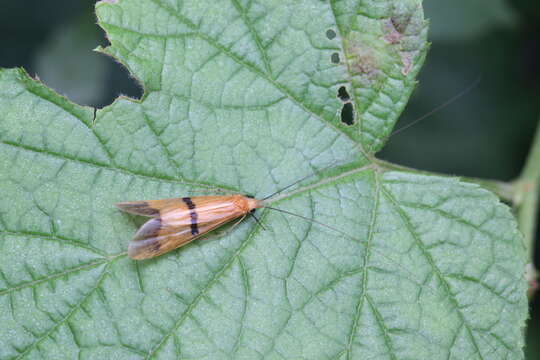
[202,293]
[380,321]
[54,238]
[255,36]
[358,310]
[76,116]
[54,276]
[168,154]
[67,317]
[115,169]
[407,222]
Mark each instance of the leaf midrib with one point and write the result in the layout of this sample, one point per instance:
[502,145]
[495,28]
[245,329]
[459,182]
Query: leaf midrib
[120,170]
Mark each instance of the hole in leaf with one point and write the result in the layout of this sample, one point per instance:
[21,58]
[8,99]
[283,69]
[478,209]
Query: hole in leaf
[335,58]
[342,94]
[330,34]
[347,114]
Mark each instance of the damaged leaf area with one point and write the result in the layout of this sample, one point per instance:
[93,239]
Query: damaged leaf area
[384,48]
[248,97]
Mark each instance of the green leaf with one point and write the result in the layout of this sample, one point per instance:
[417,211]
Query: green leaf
[243,97]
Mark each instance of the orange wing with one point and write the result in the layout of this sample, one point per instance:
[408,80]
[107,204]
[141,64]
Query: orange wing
[178,221]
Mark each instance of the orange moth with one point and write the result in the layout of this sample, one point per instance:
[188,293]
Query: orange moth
[176,222]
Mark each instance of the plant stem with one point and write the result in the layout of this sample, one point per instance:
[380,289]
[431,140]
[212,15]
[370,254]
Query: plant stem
[527,192]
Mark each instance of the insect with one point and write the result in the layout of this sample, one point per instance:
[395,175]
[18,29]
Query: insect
[176,222]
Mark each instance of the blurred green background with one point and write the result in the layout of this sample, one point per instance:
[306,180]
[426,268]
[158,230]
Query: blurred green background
[486,133]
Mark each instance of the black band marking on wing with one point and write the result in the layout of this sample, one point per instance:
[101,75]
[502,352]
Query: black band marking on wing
[192,214]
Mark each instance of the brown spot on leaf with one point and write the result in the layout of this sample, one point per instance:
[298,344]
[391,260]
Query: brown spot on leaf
[395,28]
[363,60]
[407,60]
[393,36]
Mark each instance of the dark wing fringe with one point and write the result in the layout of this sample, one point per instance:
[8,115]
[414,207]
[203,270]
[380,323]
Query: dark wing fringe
[138,208]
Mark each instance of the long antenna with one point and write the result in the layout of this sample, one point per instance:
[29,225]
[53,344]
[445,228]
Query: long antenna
[296,182]
[440,107]
[312,220]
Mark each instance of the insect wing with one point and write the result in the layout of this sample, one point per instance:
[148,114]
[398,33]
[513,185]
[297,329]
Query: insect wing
[177,222]
[154,238]
[152,208]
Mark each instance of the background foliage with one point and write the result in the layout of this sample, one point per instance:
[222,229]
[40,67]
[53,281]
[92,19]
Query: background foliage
[486,134]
